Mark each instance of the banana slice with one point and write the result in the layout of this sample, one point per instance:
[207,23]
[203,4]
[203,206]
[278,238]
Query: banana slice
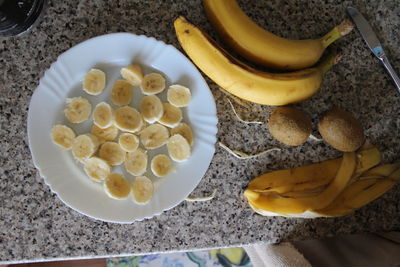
[136,162]
[107,134]
[128,142]
[179,95]
[112,153]
[84,146]
[121,93]
[116,186]
[142,189]
[78,109]
[128,119]
[161,165]
[63,136]
[154,136]
[103,115]
[184,130]
[144,125]
[94,82]
[152,108]
[152,84]
[171,117]
[97,169]
[133,74]
[178,148]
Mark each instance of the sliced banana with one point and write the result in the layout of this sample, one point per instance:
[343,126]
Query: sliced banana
[112,153]
[97,169]
[178,148]
[84,146]
[179,95]
[144,125]
[121,93]
[104,135]
[154,136]
[152,108]
[161,165]
[116,186]
[184,130]
[63,136]
[94,82]
[152,84]
[136,162]
[128,142]
[78,109]
[142,189]
[128,119]
[133,74]
[103,115]
[171,117]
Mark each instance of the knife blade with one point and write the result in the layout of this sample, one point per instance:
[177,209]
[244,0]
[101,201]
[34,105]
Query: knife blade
[373,43]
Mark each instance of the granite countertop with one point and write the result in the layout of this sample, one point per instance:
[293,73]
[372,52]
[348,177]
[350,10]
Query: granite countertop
[36,225]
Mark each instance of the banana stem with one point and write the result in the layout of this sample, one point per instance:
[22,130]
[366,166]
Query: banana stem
[328,62]
[241,155]
[203,198]
[239,117]
[342,29]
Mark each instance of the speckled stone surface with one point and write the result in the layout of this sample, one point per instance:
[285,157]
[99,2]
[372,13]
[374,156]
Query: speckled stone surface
[36,225]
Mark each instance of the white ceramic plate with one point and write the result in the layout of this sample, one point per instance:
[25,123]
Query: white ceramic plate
[110,52]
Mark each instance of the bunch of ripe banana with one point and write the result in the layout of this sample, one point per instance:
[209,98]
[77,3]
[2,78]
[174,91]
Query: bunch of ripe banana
[261,47]
[330,188]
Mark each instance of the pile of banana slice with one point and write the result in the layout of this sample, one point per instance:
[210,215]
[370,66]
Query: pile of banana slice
[119,130]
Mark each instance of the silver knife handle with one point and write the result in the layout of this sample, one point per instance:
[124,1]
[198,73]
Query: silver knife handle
[391,71]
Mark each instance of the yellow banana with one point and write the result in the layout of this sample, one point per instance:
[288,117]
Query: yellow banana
[263,47]
[243,81]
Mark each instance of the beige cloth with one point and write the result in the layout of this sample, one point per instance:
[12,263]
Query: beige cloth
[275,255]
[364,250]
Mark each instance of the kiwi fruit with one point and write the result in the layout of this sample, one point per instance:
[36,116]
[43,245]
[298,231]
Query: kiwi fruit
[341,130]
[289,125]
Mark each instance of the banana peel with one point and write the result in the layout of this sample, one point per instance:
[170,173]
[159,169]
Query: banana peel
[355,183]
[307,214]
[371,193]
[276,203]
[382,170]
[366,159]
[311,176]
[305,193]
[338,207]
[284,180]
[364,191]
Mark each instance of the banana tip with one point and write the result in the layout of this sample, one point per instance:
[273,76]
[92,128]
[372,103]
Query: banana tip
[345,27]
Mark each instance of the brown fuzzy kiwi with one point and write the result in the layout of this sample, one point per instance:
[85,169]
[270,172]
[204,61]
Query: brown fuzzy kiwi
[289,125]
[341,130]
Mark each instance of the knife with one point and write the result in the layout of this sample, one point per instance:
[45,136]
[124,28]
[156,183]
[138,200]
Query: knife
[373,43]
